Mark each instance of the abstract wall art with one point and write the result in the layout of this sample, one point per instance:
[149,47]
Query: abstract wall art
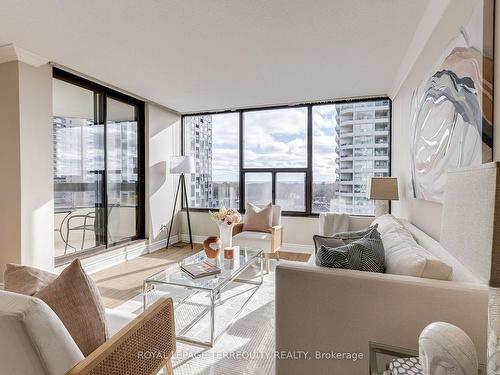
[452,108]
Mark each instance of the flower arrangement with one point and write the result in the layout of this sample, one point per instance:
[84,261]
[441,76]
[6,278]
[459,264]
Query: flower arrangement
[228,216]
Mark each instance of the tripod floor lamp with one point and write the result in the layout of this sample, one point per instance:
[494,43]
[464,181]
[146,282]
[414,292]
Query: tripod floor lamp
[181,165]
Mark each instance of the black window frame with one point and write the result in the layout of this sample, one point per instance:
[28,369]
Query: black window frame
[104,93]
[307,170]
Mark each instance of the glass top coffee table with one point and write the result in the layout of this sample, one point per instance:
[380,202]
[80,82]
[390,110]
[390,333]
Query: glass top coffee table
[211,286]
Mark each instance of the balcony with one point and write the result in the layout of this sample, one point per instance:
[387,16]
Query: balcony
[346,108]
[344,194]
[362,105]
[346,135]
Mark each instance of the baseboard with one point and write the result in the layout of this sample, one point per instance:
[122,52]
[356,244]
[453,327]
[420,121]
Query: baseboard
[161,244]
[286,246]
[196,238]
[124,254]
[114,258]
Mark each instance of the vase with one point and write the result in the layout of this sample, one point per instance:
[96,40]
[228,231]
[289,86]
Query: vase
[212,246]
[226,234]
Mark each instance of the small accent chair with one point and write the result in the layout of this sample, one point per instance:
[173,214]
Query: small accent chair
[34,341]
[270,243]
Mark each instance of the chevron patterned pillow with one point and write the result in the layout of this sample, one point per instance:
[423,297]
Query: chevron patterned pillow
[364,254]
[349,237]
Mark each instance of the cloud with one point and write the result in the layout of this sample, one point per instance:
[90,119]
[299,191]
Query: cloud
[276,138]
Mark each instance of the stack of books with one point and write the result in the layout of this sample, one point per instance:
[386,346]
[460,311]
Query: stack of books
[200,269]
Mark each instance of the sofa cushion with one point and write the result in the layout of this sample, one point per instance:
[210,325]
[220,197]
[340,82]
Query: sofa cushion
[33,340]
[75,299]
[349,237]
[327,241]
[364,254]
[258,219]
[25,279]
[404,256]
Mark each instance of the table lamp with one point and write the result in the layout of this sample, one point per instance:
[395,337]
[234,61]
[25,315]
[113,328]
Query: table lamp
[382,190]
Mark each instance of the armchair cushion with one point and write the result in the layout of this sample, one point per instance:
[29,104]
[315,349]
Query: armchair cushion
[253,239]
[258,219]
[33,340]
[116,320]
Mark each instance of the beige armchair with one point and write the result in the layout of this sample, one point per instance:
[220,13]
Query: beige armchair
[34,341]
[270,243]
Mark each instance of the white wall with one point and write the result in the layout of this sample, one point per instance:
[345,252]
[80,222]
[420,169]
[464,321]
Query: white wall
[26,211]
[424,214]
[163,140]
[37,199]
[10,188]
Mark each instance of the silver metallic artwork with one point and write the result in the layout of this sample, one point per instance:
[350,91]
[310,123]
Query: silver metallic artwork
[447,113]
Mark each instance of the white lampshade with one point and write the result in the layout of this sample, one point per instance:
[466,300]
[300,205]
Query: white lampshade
[383,188]
[182,164]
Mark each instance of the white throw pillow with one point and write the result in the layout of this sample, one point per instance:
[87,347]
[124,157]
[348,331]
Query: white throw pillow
[404,256]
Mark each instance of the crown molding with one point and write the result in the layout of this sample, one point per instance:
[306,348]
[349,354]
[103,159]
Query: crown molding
[9,52]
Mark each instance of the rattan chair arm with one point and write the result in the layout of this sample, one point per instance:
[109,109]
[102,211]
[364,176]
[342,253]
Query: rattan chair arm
[143,347]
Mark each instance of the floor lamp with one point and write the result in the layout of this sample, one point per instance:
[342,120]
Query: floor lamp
[181,165]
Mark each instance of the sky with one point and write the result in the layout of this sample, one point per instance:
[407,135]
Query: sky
[274,138]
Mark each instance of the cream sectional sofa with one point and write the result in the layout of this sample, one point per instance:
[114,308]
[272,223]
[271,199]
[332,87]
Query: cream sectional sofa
[322,311]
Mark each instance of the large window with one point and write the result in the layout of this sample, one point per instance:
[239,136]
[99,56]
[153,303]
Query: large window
[306,158]
[213,140]
[275,138]
[98,167]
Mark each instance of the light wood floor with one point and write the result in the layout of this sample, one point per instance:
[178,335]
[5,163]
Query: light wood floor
[122,282]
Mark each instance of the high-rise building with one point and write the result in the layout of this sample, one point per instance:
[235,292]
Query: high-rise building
[199,142]
[363,148]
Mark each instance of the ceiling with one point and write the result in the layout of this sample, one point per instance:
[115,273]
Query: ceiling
[196,55]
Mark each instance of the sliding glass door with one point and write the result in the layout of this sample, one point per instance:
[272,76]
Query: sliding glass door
[122,170]
[98,167]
